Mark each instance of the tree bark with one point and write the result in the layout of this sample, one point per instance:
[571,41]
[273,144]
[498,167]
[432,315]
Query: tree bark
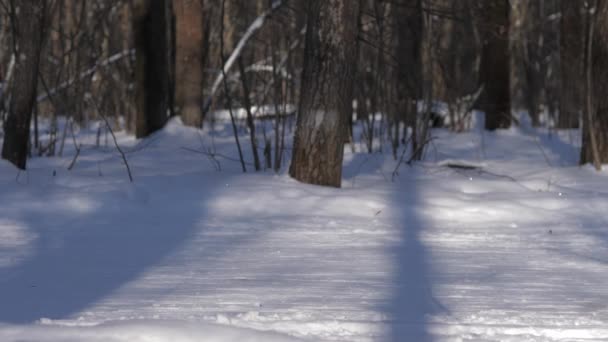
[151,28]
[572,54]
[409,80]
[595,123]
[493,21]
[326,92]
[29,26]
[189,60]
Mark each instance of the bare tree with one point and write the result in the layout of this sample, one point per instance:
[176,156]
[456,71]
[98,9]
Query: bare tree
[189,60]
[151,27]
[326,93]
[409,78]
[595,120]
[493,23]
[28,22]
[534,41]
[455,58]
[572,54]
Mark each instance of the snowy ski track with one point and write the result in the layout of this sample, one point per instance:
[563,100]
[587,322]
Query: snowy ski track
[517,252]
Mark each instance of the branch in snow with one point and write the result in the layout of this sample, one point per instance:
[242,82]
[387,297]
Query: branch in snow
[253,28]
[109,127]
[6,82]
[111,60]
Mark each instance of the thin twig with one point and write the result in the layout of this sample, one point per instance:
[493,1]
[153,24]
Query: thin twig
[227,91]
[542,151]
[73,163]
[213,155]
[122,154]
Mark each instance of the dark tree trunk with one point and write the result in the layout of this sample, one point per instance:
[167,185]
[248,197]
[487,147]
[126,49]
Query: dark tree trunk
[493,21]
[189,59]
[151,27]
[29,26]
[408,25]
[326,92]
[525,30]
[572,54]
[595,123]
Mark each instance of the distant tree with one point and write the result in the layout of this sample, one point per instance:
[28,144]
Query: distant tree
[28,23]
[189,60]
[525,33]
[455,57]
[572,54]
[493,23]
[595,119]
[152,32]
[409,77]
[326,92]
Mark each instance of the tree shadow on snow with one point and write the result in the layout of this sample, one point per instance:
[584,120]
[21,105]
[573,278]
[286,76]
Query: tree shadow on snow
[412,302]
[82,256]
[564,153]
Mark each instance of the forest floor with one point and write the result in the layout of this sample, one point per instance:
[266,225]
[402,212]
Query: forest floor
[514,249]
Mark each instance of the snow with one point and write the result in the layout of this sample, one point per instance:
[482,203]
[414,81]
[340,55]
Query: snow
[261,112]
[515,249]
[136,331]
[257,24]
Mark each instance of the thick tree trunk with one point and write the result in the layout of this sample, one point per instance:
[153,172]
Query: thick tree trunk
[326,92]
[595,123]
[152,69]
[29,25]
[495,72]
[189,60]
[572,54]
[408,26]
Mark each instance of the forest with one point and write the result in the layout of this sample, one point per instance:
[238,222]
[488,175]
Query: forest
[381,65]
[303,170]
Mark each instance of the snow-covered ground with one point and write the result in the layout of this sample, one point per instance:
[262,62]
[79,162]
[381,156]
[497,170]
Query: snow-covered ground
[516,250]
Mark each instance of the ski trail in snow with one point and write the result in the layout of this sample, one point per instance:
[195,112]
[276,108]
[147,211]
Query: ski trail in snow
[438,255]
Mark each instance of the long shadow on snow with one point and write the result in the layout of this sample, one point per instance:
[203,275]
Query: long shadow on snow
[412,301]
[363,164]
[564,153]
[79,259]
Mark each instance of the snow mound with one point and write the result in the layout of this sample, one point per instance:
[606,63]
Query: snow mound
[136,331]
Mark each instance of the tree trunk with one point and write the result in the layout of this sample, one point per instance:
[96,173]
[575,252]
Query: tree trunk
[326,92]
[151,27]
[572,53]
[493,21]
[189,60]
[409,81]
[595,123]
[29,26]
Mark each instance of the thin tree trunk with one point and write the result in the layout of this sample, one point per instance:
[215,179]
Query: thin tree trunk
[28,18]
[250,121]
[572,52]
[326,92]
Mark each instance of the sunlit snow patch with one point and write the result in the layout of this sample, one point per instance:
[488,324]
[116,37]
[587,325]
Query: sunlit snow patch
[15,242]
[136,331]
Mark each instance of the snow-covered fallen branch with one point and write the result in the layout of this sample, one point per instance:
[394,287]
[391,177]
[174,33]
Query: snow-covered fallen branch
[462,164]
[9,73]
[4,98]
[253,28]
[87,73]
